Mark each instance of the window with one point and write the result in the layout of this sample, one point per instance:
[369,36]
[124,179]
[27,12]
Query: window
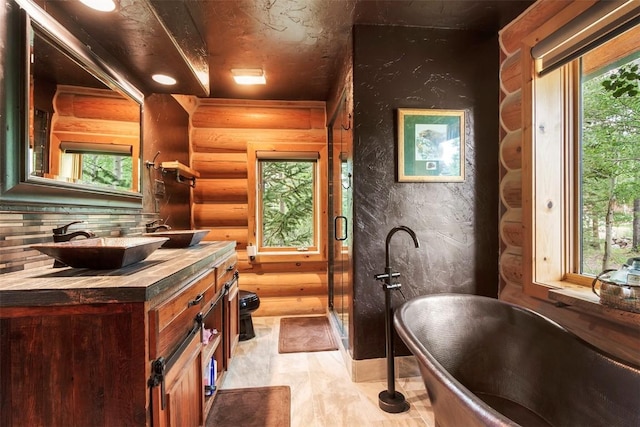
[97,163]
[105,170]
[287,211]
[287,204]
[580,182]
[609,179]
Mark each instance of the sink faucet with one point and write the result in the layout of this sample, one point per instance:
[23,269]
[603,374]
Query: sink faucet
[155,225]
[60,234]
[389,400]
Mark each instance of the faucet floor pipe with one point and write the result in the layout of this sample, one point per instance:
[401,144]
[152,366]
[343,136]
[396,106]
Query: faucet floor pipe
[390,400]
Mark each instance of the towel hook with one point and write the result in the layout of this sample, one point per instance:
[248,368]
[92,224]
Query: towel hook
[152,163]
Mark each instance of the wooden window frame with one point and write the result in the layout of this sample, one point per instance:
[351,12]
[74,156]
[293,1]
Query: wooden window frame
[289,151]
[550,187]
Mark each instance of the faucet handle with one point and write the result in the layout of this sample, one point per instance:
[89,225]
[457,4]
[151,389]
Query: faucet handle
[154,222]
[63,229]
[385,276]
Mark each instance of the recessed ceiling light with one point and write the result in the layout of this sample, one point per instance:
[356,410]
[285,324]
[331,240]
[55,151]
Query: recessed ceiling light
[163,79]
[101,5]
[249,76]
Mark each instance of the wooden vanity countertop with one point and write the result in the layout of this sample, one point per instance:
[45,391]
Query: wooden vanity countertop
[161,271]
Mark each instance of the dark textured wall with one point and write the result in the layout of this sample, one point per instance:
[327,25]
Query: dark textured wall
[456,223]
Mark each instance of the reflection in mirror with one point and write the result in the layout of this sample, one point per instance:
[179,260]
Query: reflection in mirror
[73,122]
[80,130]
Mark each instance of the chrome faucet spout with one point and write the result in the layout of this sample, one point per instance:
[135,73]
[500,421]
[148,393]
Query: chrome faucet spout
[63,229]
[60,234]
[67,237]
[153,226]
[390,235]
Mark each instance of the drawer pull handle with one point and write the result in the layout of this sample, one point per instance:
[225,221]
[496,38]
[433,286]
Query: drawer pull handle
[231,267]
[230,283]
[196,300]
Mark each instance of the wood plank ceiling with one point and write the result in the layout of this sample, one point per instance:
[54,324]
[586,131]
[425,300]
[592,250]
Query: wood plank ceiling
[297,42]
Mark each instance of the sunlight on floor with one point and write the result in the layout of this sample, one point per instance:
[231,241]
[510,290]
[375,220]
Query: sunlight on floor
[322,394]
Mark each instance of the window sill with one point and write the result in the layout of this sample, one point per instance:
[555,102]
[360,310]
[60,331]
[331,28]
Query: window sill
[274,257]
[583,299]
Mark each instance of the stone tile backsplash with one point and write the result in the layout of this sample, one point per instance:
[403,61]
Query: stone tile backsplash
[20,230]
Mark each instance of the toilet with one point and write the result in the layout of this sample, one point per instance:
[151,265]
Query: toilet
[249,302]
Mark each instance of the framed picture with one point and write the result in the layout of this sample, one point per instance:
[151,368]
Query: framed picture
[430,145]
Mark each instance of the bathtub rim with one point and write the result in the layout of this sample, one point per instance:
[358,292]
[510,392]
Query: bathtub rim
[461,392]
[441,375]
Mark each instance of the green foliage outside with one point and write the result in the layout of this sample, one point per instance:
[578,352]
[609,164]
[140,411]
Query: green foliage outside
[610,167]
[287,203]
[107,170]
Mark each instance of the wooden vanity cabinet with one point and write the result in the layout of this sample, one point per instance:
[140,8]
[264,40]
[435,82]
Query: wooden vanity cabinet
[179,397]
[175,349]
[80,365]
[78,356]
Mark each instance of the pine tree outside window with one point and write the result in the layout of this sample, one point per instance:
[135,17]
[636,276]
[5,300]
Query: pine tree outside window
[287,204]
[610,164]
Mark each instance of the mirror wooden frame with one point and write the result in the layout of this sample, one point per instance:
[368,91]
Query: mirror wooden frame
[19,190]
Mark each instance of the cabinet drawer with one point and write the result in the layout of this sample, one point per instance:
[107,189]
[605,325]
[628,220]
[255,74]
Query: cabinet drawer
[226,269]
[170,321]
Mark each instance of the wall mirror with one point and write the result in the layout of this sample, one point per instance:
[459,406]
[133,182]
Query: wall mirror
[77,137]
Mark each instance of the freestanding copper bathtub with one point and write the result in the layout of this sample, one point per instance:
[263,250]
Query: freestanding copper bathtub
[489,363]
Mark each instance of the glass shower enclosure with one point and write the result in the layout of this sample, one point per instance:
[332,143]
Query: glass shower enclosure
[341,224]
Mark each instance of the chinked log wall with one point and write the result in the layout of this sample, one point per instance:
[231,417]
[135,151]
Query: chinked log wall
[94,115]
[219,133]
[511,81]
[541,15]
[615,333]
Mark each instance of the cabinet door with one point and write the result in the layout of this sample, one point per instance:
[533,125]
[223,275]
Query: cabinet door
[233,320]
[184,397]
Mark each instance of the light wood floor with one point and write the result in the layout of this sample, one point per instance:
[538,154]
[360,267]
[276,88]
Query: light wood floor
[322,393]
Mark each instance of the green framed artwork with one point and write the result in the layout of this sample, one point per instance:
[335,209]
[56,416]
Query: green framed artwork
[430,145]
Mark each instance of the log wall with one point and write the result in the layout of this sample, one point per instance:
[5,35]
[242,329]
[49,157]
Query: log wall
[97,116]
[542,18]
[512,81]
[23,226]
[220,131]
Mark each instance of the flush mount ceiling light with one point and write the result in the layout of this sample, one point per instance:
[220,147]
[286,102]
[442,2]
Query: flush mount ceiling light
[100,5]
[163,79]
[248,76]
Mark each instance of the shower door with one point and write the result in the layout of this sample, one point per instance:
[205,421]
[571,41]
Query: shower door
[341,226]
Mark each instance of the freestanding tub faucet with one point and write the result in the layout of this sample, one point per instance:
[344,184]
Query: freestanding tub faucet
[390,400]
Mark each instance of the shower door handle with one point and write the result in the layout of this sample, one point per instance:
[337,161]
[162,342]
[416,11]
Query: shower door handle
[335,228]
